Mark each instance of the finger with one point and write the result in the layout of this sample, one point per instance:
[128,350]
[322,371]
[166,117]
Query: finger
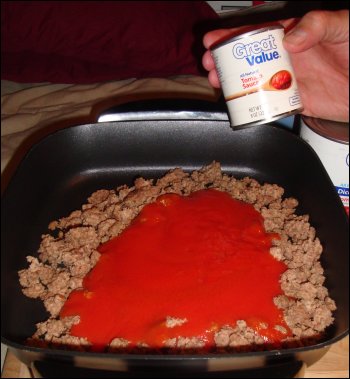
[316,27]
[213,79]
[289,23]
[214,36]
[208,61]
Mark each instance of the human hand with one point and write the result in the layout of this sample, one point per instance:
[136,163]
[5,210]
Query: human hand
[318,45]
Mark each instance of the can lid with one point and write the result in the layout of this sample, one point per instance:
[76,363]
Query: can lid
[333,130]
[245,32]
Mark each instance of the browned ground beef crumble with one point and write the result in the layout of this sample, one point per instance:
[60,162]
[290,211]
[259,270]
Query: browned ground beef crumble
[65,260]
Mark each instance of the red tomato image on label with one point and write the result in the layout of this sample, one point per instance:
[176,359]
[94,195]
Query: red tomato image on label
[281,80]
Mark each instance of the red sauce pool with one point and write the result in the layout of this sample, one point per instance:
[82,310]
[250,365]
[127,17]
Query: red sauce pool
[204,257]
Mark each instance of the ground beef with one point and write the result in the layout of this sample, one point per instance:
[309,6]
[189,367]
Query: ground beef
[64,260]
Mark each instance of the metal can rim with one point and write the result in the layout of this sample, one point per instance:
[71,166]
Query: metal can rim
[320,127]
[267,120]
[233,38]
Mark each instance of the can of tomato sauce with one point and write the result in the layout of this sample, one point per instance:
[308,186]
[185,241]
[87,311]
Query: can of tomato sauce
[256,76]
[330,140]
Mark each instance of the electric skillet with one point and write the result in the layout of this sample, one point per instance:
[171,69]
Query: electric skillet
[59,172]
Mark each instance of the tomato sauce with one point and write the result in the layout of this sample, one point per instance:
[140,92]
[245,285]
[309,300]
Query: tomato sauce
[204,257]
[281,80]
[253,68]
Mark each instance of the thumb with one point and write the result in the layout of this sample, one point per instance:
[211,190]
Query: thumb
[316,27]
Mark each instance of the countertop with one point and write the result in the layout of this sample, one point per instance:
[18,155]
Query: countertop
[334,364]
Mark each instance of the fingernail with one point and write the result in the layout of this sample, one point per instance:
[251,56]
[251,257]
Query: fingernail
[296,36]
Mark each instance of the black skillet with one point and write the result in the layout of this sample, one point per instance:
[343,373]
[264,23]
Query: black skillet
[60,171]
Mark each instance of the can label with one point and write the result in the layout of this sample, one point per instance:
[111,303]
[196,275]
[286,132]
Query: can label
[334,157]
[257,77]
